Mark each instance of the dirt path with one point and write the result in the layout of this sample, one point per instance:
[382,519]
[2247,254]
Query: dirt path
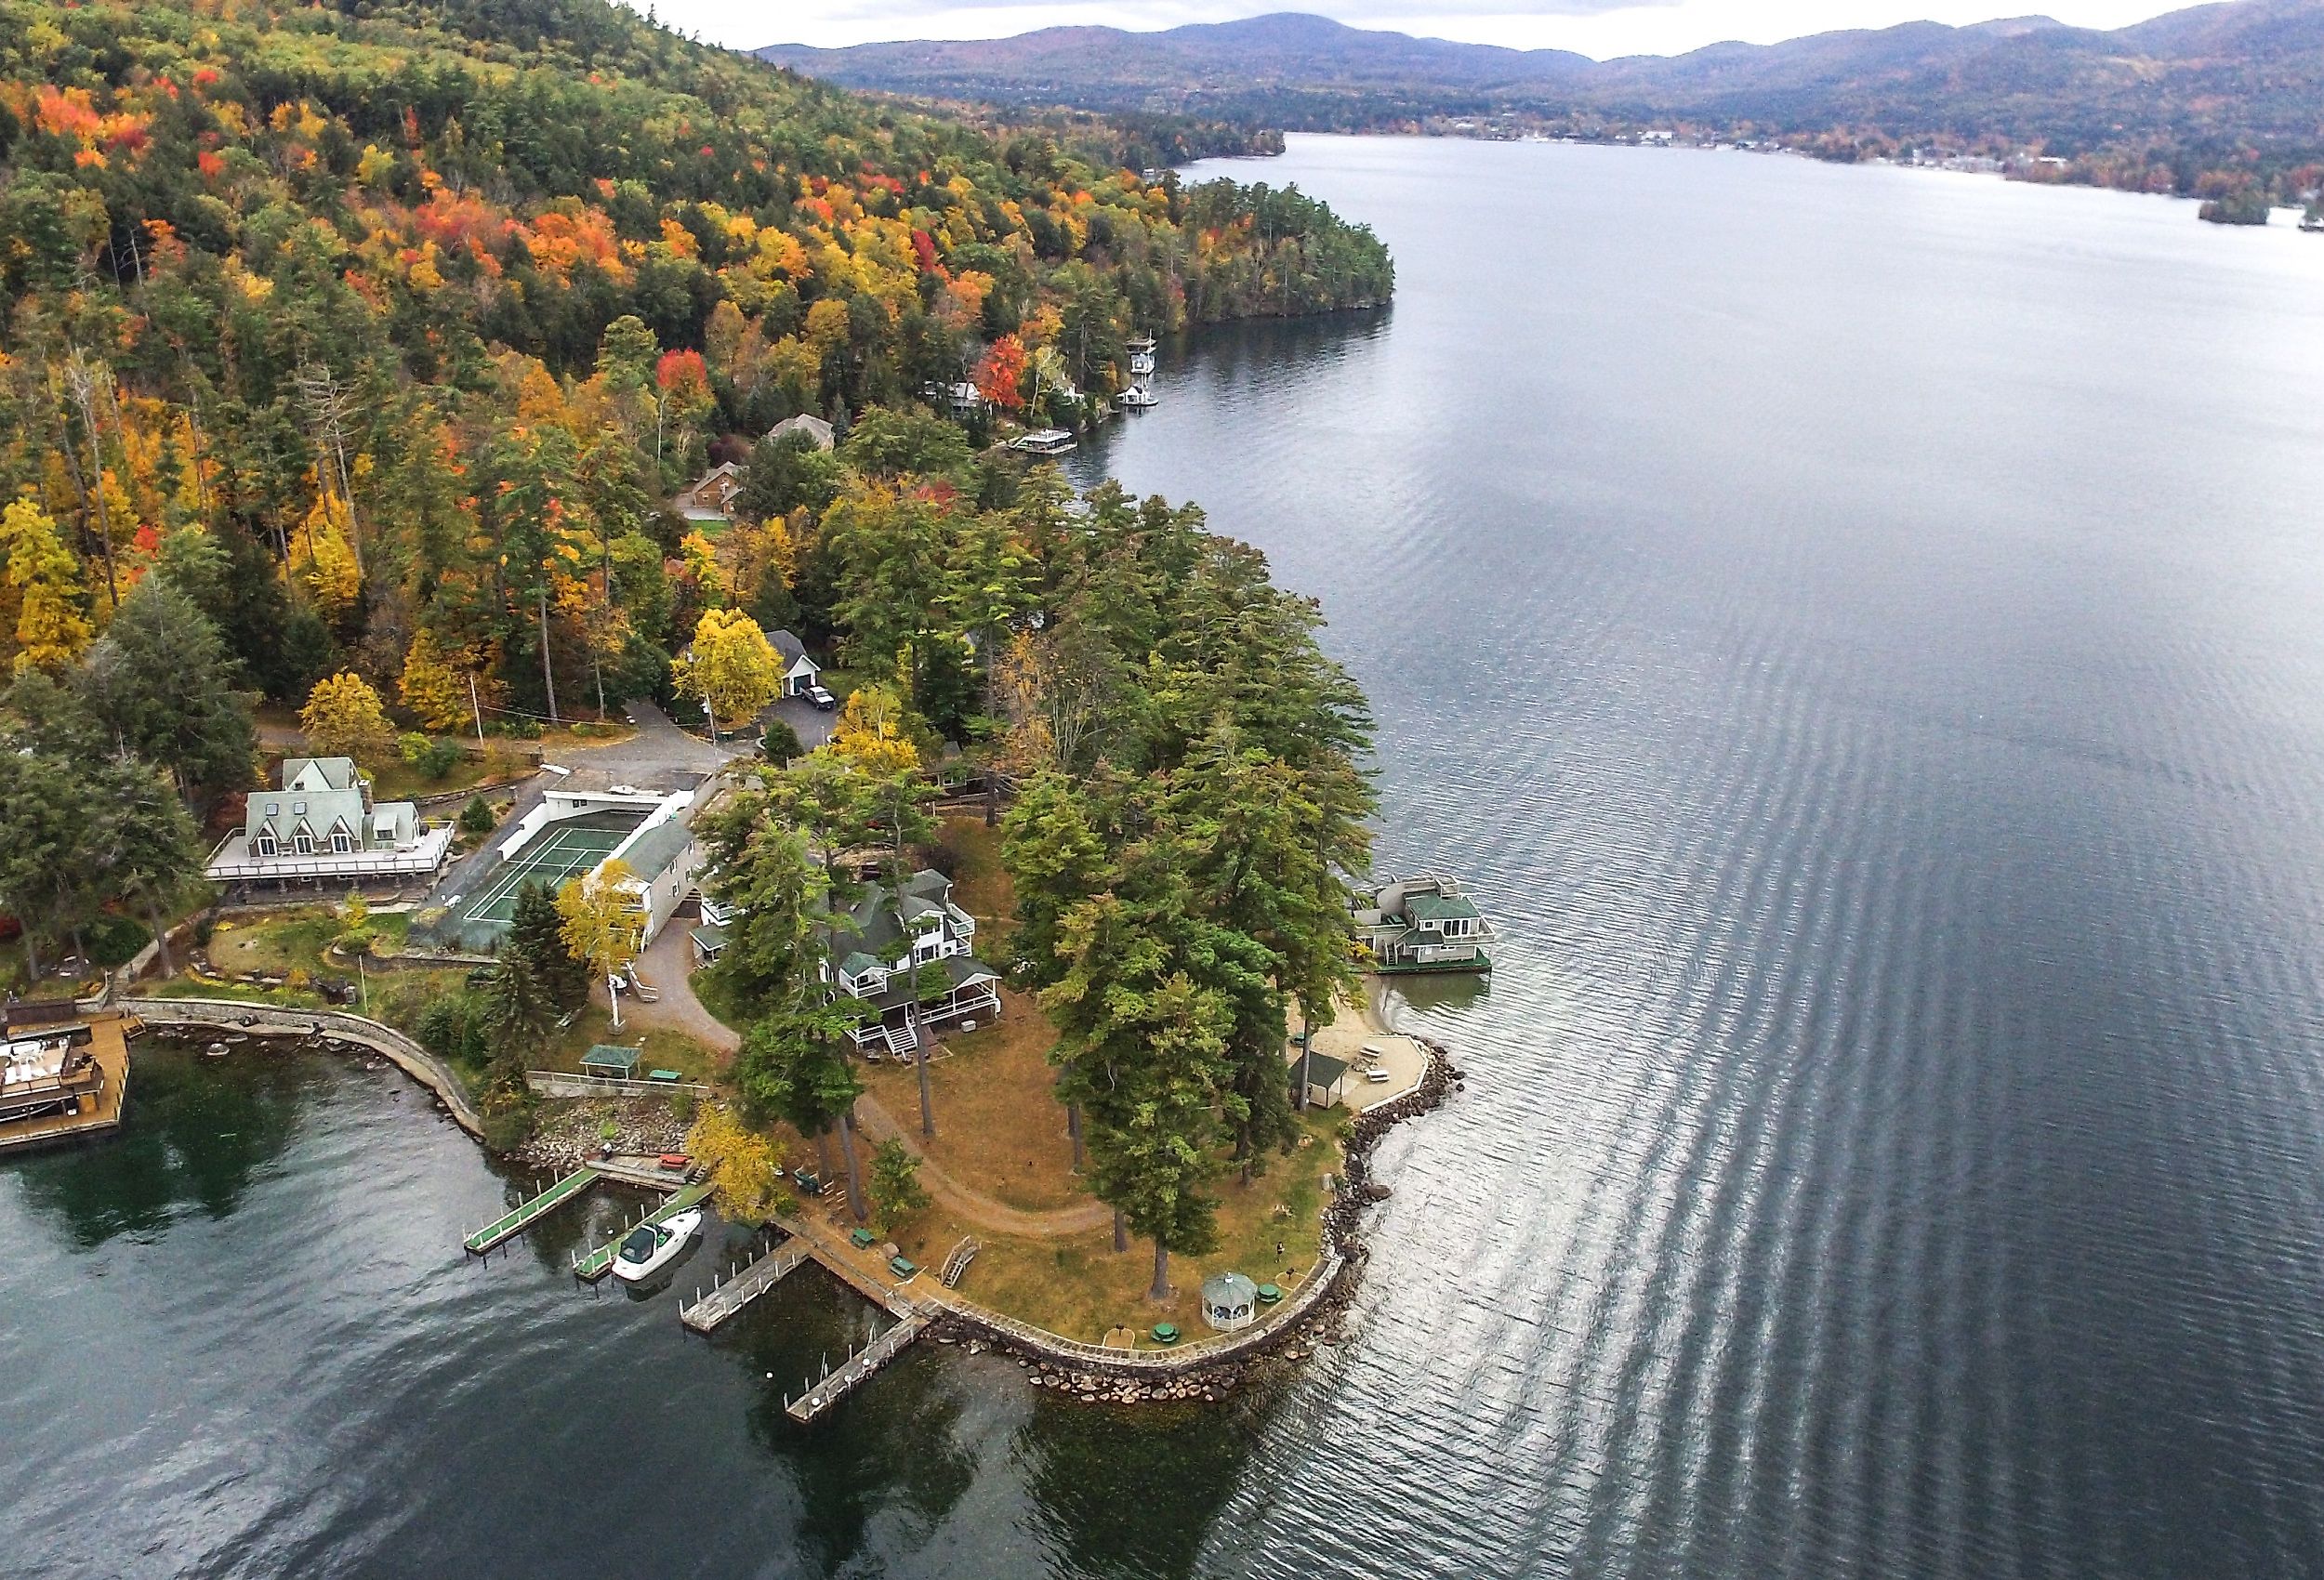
[666,964]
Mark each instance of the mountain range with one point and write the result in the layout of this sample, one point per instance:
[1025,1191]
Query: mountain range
[2214,79]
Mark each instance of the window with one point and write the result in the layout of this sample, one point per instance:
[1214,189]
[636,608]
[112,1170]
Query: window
[303,842]
[266,842]
[341,841]
[299,808]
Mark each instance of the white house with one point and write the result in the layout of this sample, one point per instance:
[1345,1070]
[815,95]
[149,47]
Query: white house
[877,950]
[1424,924]
[320,822]
[799,671]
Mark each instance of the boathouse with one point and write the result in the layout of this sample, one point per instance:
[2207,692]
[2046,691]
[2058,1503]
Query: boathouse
[1424,924]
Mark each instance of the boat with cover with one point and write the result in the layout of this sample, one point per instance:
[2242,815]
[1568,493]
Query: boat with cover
[1137,398]
[1140,363]
[650,1247]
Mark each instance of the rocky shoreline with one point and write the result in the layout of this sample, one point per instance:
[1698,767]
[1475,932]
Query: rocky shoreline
[572,1132]
[1270,1354]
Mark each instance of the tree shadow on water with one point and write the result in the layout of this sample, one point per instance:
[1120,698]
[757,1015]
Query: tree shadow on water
[195,1134]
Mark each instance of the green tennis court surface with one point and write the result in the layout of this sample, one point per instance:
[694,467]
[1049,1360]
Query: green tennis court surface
[559,851]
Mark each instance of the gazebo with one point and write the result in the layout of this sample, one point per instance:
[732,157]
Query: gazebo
[1229,1301]
[1325,1078]
[610,1063]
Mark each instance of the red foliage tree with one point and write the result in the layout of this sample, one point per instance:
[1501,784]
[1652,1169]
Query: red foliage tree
[998,375]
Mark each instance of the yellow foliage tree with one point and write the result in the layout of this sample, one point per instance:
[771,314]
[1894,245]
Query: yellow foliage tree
[869,733]
[743,1166]
[343,718]
[50,629]
[323,545]
[602,924]
[732,667]
[431,687]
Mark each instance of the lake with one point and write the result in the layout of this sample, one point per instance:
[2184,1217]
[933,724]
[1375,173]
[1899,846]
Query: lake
[1861,633]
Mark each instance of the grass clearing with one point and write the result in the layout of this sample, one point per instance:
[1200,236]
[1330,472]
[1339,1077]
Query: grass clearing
[1081,1286]
[664,1049]
[1000,1128]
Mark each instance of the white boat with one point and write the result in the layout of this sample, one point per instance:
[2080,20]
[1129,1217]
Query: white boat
[650,1247]
[1137,398]
[1140,363]
[1044,441]
[1140,343]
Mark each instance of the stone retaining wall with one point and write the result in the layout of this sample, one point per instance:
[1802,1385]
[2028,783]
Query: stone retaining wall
[269,1021]
[563,1083]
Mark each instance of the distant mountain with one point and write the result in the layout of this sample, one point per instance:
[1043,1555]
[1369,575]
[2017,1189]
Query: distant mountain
[2184,89]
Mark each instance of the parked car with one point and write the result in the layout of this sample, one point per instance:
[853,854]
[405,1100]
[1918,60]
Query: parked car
[822,699]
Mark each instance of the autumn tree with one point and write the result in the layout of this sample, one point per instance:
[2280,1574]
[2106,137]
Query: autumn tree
[603,924]
[731,668]
[343,718]
[51,628]
[744,1164]
[1000,375]
[431,687]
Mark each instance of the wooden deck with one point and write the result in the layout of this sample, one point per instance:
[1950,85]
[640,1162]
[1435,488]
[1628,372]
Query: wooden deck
[730,1296]
[824,1392]
[109,1046]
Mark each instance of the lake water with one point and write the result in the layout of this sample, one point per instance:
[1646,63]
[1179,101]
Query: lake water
[1862,634]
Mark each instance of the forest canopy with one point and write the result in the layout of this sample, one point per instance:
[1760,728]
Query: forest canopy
[418,314]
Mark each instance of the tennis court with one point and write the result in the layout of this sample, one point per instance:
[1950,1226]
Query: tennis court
[561,850]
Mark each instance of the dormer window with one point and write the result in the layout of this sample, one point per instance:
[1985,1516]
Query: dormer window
[341,841]
[303,841]
[266,842]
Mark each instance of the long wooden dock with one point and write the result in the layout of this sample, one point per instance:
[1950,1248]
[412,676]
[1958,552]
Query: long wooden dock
[572,1188]
[97,1102]
[823,1393]
[731,1295]
[598,1263]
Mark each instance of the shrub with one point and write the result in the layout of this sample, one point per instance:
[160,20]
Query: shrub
[114,941]
[895,1187]
[440,758]
[781,742]
[507,1126]
[681,1107]
[476,817]
[412,745]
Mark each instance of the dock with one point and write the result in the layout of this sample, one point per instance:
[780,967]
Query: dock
[67,1077]
[598,1263]
[730,1296]
[823,1393]
[510,1225]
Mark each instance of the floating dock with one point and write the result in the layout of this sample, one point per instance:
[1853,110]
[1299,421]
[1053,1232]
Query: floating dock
[731,1295]
[598,1263]
[572,1188]
[835,1386]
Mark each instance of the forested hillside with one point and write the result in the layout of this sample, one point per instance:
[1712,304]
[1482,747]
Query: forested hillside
[388,328]
[2216,100]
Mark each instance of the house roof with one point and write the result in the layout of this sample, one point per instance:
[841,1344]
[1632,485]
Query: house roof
[857,963]
[875,923]
[650,855]
[1323,1070]
[815,427]
[1438,907]
[339,773]
[789,646]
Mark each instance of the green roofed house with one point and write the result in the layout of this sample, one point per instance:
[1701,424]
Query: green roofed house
[907,955]
[1424,924]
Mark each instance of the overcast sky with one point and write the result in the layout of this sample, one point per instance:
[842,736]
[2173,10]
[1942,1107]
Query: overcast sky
[1601,28]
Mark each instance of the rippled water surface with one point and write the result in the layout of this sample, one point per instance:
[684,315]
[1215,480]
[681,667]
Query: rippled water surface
[1863,634]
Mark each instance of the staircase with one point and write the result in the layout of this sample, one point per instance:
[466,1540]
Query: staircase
[903,1041]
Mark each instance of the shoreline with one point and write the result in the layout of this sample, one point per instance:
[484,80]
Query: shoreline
[1204,1370]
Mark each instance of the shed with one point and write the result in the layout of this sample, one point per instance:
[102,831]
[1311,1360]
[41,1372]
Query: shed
[1325,1076]
[1229,1301]
[613,1064]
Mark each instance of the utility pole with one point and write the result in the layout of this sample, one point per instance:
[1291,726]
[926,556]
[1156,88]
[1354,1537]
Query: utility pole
[476,708]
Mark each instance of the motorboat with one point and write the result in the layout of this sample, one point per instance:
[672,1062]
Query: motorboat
[1140,363]
[1137,398]
[650,1247]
